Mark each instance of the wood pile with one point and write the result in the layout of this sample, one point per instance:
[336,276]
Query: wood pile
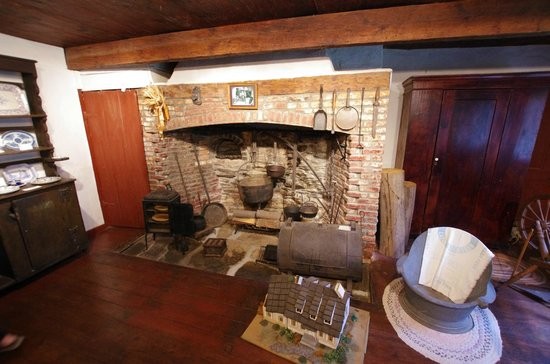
[259,219]
[396,209]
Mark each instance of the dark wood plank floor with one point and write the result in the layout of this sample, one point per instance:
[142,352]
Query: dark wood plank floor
[103,307]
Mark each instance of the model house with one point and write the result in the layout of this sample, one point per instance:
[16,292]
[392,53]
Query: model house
[315,309]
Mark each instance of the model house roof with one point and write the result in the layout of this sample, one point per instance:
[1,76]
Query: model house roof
[313,303]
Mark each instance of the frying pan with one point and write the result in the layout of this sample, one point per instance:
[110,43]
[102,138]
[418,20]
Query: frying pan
[320,116]
[214,213]
[347,116]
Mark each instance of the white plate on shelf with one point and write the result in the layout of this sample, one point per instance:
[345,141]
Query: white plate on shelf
[18,140]
[46,180]
[19,174]
[8,189]
[12,100]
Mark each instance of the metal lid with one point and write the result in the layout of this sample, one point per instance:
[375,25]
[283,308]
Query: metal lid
[162,195]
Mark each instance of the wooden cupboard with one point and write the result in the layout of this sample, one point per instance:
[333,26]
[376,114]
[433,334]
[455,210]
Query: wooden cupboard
[467,141]
[40,219]
[38,229]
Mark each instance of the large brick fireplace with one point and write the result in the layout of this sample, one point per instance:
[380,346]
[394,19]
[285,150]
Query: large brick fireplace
[336,170]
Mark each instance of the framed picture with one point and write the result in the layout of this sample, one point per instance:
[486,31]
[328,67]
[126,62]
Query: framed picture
[243,96]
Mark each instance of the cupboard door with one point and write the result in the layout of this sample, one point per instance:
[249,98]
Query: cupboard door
[504,181]
[51,226]
[468,139]
[422,121]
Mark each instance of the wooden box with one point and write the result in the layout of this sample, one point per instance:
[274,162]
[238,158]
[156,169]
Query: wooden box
[214,247]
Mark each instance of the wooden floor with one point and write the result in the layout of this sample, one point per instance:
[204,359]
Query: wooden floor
[103,307]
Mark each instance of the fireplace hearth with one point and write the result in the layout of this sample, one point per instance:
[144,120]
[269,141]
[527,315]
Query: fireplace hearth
[337,169]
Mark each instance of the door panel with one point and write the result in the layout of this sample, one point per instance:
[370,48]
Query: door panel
[54,214]
[469,133]
[504,182]
[113,127]
[424,116]
[485,130]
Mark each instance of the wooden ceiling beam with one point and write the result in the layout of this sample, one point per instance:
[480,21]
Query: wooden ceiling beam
[449,21]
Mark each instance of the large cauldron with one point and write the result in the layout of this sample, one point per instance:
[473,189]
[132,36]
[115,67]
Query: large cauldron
[255,189]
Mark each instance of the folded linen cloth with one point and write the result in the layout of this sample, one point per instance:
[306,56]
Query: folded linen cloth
[452,262]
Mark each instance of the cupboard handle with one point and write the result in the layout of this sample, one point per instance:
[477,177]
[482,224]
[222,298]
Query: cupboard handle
[436,161]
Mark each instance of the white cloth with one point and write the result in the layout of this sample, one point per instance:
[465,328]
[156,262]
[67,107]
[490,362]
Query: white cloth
[453,261]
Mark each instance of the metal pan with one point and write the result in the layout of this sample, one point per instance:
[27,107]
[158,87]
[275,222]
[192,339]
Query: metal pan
[347,116]
[214,213]
[320,116]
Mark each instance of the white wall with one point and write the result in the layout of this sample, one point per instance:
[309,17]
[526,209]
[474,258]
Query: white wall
[58,90]
[272,70]
[118,79]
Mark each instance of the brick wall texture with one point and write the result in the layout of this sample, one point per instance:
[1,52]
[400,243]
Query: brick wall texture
[339,171]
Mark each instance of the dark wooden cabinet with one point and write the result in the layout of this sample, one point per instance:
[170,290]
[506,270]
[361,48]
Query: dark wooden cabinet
[40,220]
[32,120]
[466,141]
[39,228]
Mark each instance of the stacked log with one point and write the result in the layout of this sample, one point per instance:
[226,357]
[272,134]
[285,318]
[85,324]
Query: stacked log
[396,209]
[260,218]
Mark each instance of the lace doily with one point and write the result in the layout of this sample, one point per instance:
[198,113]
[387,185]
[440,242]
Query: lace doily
[482,344]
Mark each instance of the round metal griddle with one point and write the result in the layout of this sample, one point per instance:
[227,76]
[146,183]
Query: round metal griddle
[347,116]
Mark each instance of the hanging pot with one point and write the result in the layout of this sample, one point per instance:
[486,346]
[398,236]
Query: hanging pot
[275,170]
[309,209]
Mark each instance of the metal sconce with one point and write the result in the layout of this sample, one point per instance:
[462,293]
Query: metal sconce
[196,95]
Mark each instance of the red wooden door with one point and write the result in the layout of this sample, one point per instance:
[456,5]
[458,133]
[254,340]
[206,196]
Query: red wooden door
[113,127]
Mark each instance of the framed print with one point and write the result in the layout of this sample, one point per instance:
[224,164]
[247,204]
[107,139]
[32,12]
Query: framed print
[243,96]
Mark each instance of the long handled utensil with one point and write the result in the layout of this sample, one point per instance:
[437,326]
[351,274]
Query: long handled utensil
[214,213]
[181,175]
[333,111]
[320,116]
[360,136]
[375,105]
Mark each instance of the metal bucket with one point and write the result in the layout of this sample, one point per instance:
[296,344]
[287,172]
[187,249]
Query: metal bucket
[432,308]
